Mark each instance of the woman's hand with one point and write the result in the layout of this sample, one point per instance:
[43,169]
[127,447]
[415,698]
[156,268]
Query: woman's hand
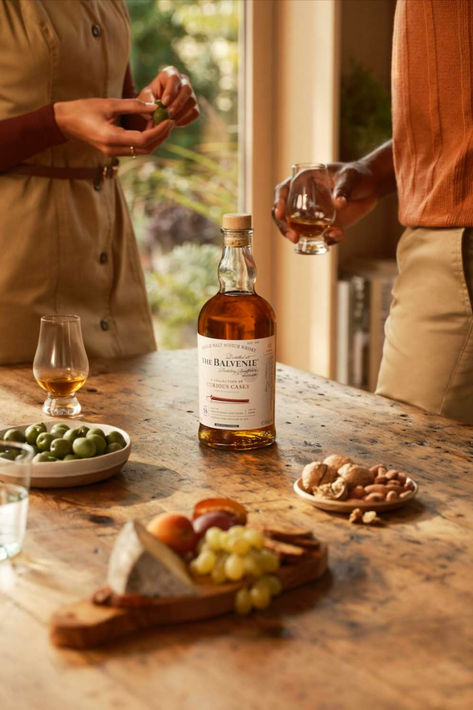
[93,121]
[175,93]
[354,195]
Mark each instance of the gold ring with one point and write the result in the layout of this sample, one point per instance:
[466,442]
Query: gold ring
[132,151]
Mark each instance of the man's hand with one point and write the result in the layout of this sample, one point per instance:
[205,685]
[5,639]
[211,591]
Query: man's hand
[93,121]
[356,188]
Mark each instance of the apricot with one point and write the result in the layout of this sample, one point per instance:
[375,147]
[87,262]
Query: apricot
[175,531]
[221,505]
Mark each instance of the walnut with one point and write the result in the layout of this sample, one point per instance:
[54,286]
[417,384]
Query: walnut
[324,490]
[337,460]
[356,516]
[339,489]
[370,518]
[316,474]
[355,475]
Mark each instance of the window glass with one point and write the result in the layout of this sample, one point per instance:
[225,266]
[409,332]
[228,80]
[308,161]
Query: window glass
[178,195]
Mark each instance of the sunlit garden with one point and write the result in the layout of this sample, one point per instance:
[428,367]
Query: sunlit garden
[178,195]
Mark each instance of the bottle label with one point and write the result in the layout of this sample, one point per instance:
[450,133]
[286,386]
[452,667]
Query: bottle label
[236,382]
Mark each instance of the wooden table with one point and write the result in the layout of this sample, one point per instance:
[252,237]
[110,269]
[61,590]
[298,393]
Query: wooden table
[391,625]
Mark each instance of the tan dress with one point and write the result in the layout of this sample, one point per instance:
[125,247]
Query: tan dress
[66,247]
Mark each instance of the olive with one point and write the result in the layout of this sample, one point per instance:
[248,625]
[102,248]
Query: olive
[71,434]
[9,455]
[98,432]
[70,457]
[32,432]
[43,442]
[100,443]
[114,446]
[44,456]
[60,448]
[59,429]
[161,113]
[84,448]
[116,438]
[82,430]
[14,435]
[41,426]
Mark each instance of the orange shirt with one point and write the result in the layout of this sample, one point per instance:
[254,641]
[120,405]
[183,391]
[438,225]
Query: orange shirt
[432,86]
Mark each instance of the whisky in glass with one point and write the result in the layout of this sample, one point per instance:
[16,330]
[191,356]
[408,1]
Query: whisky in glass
[309,207]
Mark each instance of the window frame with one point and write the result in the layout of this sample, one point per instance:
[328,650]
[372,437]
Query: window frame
[290,49]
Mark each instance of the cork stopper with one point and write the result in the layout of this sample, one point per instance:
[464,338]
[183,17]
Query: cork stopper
[236,221]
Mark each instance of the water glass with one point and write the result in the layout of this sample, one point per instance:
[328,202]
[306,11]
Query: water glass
[15,474]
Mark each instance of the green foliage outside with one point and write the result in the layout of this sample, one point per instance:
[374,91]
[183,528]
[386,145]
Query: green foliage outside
[195,173]
[200,38]
[187,276]
[365,113]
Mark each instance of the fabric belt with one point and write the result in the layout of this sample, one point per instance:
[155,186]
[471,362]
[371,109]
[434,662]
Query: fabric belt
[98,174]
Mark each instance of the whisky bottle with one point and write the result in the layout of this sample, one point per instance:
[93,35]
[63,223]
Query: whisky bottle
[237,350]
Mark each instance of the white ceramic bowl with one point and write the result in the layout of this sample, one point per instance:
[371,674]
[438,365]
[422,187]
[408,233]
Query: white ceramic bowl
[65,474]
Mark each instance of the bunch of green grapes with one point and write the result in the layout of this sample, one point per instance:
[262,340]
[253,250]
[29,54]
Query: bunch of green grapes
[237,553]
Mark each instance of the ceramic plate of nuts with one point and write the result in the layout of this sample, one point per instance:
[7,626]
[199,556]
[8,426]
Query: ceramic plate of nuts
[339,484]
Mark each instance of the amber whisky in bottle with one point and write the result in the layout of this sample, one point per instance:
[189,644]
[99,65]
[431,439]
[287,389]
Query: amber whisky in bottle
[237,350]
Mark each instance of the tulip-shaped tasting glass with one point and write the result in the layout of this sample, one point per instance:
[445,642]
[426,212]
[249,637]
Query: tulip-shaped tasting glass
[309,207]
[60,365]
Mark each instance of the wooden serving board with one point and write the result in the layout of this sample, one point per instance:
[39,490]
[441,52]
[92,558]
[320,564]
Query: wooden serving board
[89,623]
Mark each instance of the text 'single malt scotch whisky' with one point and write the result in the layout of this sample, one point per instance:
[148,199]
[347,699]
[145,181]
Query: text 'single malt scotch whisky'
[237,350]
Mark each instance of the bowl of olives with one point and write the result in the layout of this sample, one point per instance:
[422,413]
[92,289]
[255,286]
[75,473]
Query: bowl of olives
[71,454]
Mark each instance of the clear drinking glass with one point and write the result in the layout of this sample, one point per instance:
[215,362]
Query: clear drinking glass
[60,364]
[309,207]
[15,474]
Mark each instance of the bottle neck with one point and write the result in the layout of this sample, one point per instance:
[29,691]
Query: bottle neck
[237,269]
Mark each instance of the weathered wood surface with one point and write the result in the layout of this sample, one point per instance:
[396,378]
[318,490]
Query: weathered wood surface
[391,625]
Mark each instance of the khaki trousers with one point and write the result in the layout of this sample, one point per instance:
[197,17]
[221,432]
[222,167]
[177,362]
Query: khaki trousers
[428,351]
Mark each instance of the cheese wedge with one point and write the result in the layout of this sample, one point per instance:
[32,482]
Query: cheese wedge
[142,564]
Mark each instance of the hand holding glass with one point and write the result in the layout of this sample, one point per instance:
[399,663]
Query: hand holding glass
[60,365]
[309,207]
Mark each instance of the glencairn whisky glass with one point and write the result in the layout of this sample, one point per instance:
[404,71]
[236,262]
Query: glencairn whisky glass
[309,207]
[60,365]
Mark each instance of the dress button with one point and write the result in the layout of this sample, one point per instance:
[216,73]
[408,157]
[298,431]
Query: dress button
[96,30]
[103,257]
[104,324]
